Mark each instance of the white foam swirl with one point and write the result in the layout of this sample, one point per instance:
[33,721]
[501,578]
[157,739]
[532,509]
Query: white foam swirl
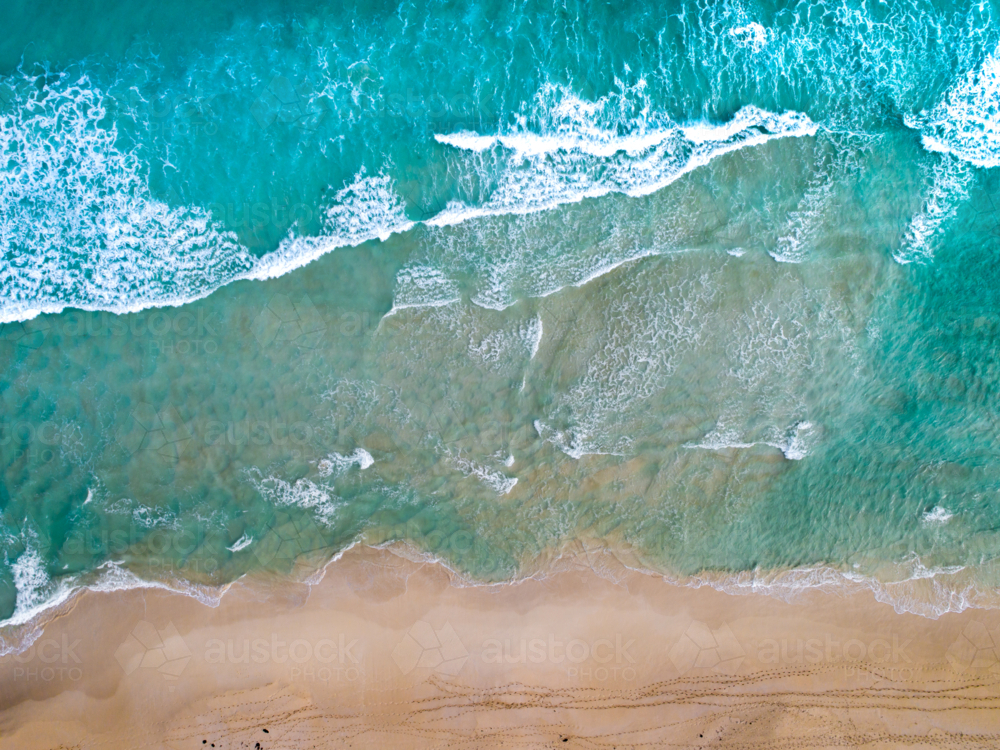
[366,209]
[79,224]
[81,227]
[947,186]
[966,122]
[571,149]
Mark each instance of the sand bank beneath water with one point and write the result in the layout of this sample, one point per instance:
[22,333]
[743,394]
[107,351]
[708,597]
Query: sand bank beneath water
[386,652]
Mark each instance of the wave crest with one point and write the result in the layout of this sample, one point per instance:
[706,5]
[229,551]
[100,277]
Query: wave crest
[570,149]
[80,225]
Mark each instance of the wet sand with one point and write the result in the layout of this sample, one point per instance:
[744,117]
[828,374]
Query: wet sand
[388,652]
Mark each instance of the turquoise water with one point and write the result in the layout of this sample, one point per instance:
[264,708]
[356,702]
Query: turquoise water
[715,285]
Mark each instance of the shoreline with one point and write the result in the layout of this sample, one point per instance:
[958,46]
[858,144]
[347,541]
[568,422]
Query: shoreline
[383,649]
[919,594]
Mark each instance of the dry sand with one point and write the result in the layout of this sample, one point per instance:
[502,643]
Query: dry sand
[387,652]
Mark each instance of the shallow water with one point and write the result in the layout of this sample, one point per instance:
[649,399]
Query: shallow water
[714,286]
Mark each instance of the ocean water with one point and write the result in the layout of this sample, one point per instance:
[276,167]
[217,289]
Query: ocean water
[712,285]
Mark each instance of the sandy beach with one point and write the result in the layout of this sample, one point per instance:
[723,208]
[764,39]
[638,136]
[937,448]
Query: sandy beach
[388,652]
[465,375]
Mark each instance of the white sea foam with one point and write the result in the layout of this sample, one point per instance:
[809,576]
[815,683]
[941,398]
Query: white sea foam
[303,493]
[804,223]
[655,320]
[242,543]
[946,186]
[720,438]
[336,464]
[799,441]
[607,268]
[913,587]
[96,239]
[578,443]
[570,149]
[720,441]
[30,581]
[564,150]
[111,577]
[80,227]
[593,143]
[35,596]
[143,516]
[535,335]
[79,224]
[467,140]
[966,122]
[795,447]
[749,121]
[495,480]
[752,35]
[423,286]
[500,349]
[926,591]
[938,516]
[366,209]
